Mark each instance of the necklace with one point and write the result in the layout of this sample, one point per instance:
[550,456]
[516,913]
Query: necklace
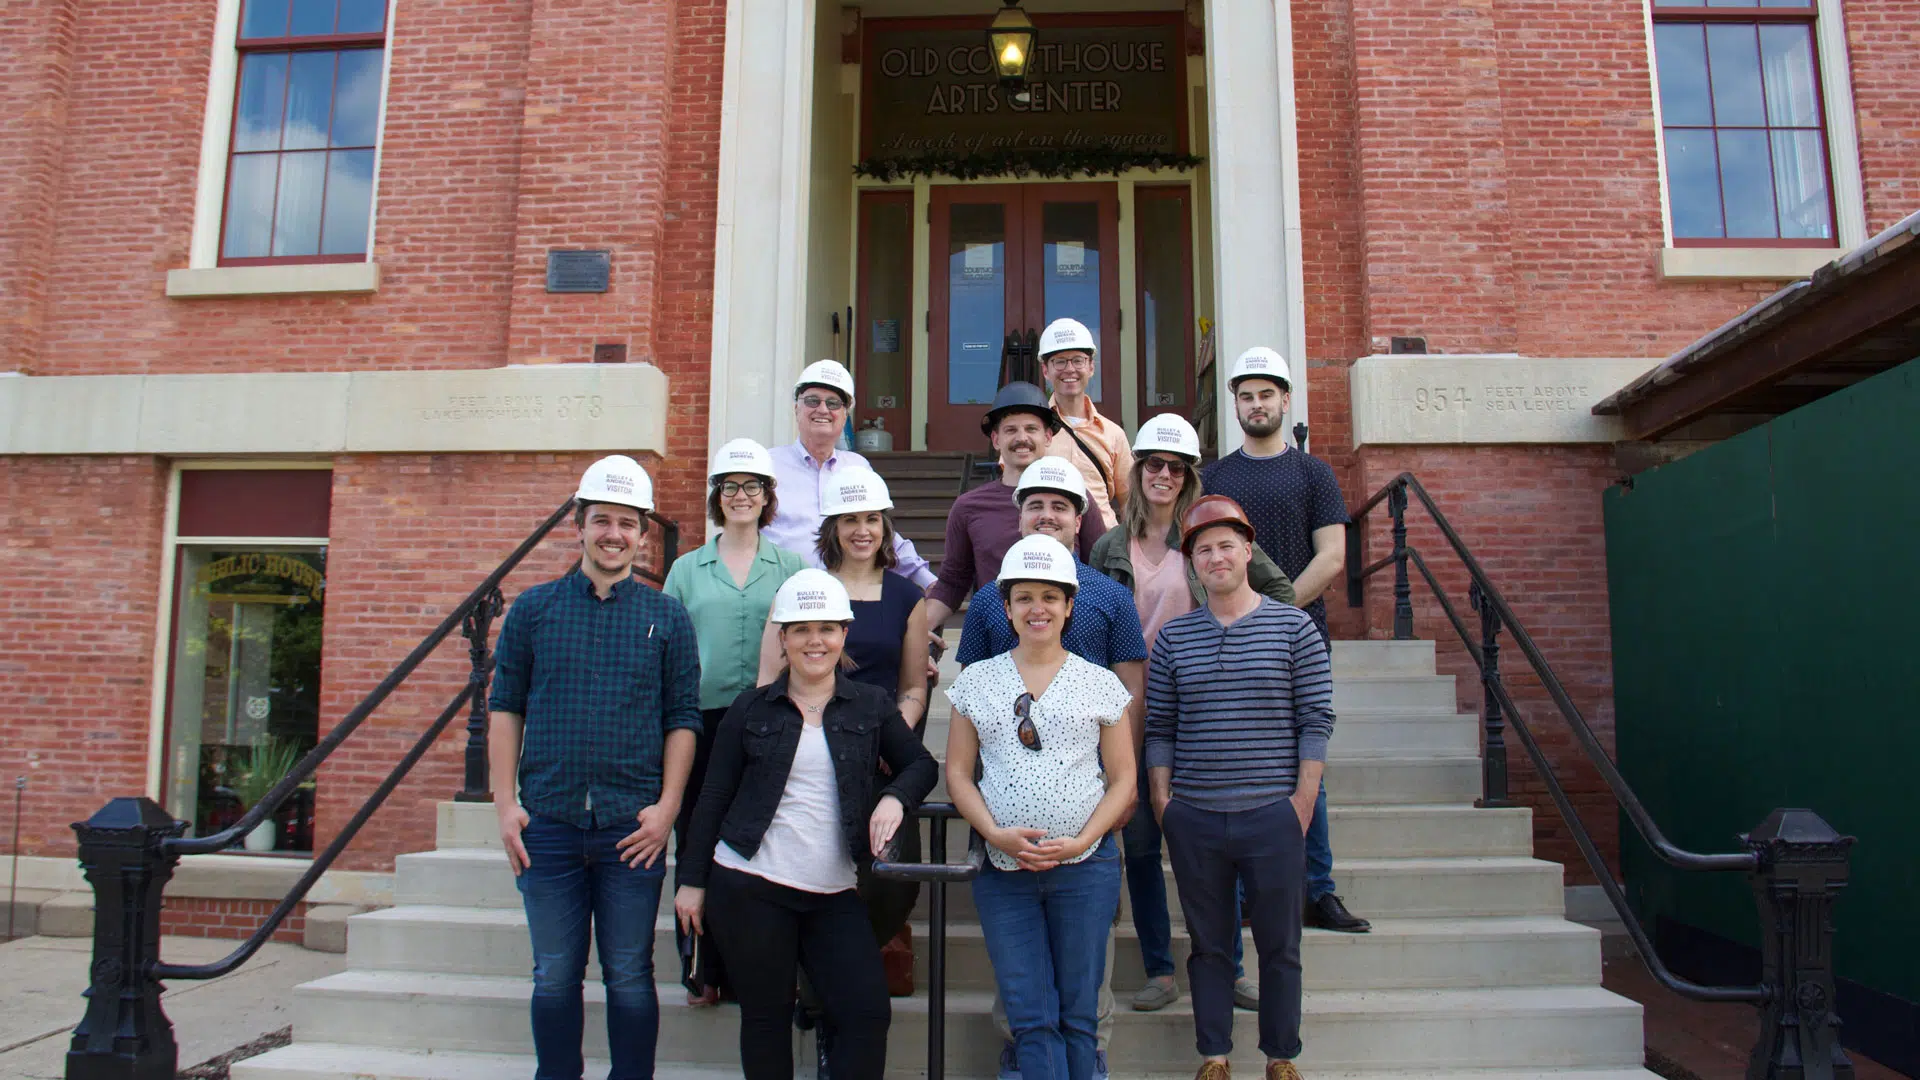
[809,707]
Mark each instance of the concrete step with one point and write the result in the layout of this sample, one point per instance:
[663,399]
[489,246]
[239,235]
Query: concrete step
[1362,658]
[1379,693]
[1398,954]
[325,1061]
[1419,888]
[1560,1026]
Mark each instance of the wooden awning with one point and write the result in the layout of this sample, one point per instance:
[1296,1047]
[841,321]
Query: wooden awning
[1855,317]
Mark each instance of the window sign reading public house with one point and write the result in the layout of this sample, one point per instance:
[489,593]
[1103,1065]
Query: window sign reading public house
[1097,85]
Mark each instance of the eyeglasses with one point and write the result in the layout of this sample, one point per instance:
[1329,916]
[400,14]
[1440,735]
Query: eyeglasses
[1023,711]
[1160,464]
[1081,362]
[730,488]
[815,401]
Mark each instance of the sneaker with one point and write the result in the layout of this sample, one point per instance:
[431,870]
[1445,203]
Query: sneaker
[1214,1070]
[1282,1070]
[1009,1063]
[1160,992]
[1328,912]
[1100,1065]
[1246,993]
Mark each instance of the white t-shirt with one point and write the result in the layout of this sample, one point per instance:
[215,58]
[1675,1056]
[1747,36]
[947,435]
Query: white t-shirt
[1057,786]
[804,847]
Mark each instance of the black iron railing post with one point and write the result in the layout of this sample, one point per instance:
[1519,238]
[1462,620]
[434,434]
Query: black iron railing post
[1493,757]
[125,1035]
[475,628]
[937,958]
[1802,868]
[1402,588]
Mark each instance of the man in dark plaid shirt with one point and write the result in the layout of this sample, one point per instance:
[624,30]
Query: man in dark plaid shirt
[595,710]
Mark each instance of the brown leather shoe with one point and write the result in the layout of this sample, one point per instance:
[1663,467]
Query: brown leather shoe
[1282,1070]
[1214,1070]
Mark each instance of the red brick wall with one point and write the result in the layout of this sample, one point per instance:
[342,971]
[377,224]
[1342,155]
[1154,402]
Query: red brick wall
[36,65]
[195,916]
[80,542]
[1883,38]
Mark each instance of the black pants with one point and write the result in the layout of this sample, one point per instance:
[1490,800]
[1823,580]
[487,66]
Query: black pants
[766,932]
[1264,849]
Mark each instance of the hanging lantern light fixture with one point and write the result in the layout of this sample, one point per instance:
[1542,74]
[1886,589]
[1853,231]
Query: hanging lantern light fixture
[1010,40]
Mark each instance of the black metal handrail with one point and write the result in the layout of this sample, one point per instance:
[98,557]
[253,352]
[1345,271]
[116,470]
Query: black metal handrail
[130,847]
[1796,861]
[939,873]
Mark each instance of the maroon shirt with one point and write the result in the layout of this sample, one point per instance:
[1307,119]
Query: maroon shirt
[983,525]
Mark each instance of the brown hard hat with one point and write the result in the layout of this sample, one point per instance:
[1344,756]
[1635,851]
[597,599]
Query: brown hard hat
[1212,510]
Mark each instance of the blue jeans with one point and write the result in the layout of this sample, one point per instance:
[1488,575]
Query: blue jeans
[1046,934]
[1147,889]
[575,880]
[1319,855]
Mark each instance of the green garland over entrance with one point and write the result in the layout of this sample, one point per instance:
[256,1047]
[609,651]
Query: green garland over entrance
[978,165]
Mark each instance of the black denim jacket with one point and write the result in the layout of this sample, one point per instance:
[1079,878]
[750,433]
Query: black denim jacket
[753,752]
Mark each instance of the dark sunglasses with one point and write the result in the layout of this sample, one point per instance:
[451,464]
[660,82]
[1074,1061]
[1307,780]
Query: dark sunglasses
[1023,711]
[1160,464]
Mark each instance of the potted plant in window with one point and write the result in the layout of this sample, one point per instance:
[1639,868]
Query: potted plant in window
[271,761]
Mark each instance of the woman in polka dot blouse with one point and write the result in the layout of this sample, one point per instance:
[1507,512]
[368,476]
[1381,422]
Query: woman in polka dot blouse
[1040,722]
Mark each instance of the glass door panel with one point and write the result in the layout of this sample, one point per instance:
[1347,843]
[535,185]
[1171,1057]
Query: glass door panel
[1073,237]
[883,326]
[245,686]
[1163,257]
[977,273]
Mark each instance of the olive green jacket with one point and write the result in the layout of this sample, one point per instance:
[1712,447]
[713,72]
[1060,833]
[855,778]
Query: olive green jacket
[1112,555]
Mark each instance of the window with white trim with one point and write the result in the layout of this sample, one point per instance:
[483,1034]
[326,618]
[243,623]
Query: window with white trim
[1743,123]
[306,113]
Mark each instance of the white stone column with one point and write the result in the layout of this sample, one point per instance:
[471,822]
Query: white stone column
[1259,278]
[760,233]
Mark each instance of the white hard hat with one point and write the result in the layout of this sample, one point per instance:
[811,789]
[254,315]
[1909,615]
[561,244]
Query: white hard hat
[1063,334]
[1039,558]
[617,479]
[1053,474]
[854,491]
[1260,362]
[742,456]
[811,595]
[827,373]
[1169,433]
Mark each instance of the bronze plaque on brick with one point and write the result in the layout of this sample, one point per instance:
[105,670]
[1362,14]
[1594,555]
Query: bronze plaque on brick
[1105,83]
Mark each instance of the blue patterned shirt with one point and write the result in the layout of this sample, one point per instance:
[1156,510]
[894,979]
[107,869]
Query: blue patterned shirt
[1104,629]
[599,684]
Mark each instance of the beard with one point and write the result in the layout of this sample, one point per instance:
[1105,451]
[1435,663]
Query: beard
[1260,429]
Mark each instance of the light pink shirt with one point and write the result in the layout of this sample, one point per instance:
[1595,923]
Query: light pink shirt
[1159,591]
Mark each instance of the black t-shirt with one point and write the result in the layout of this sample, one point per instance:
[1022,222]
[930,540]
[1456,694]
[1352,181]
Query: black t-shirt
[1286,496]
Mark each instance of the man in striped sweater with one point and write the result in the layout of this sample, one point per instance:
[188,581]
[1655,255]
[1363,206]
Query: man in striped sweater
[1239,710]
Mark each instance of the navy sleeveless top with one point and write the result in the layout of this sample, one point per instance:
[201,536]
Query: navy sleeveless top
[878,630]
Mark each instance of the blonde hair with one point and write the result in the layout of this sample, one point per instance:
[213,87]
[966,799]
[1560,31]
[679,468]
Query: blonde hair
[1133,513]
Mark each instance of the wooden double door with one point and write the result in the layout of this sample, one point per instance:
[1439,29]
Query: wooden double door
[1007,260]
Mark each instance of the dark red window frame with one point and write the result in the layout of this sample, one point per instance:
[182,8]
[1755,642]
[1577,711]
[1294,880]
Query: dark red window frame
[1807,15]
[246,46]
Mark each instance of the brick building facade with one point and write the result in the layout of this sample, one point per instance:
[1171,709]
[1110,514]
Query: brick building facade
[1486,177]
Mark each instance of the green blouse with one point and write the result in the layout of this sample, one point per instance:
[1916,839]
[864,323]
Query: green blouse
[727,619]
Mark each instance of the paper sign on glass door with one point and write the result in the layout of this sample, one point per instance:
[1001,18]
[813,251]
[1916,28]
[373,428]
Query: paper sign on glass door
[979,261]
[1070,259]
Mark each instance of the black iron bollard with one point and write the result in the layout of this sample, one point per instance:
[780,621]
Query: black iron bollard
[475,628]
[125,1035]
[1803,867]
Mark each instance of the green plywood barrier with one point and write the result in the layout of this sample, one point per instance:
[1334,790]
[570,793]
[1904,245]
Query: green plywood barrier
[1765,599]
